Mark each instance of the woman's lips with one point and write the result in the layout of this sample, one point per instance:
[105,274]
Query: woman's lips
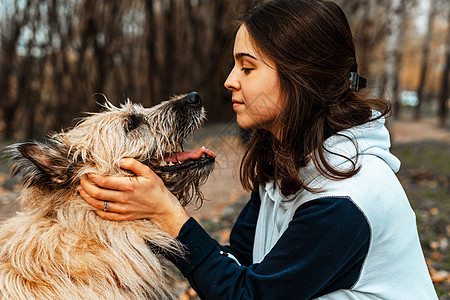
[237,103]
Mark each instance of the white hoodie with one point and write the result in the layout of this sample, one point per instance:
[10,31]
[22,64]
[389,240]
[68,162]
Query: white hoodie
[394,267]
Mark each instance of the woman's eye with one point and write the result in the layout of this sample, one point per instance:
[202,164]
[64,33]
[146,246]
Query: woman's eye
[246,70]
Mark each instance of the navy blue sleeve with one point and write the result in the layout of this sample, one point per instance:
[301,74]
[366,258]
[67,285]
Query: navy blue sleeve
[322,251]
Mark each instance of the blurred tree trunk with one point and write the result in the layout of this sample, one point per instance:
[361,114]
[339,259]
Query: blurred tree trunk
[170,59]
[152,67]
[368,31]
[425,60]
[215,72]
[365,34]
[67,80]
[30,76]
[399,48]
[395,16]
[197,49]
[365,45]
[444,96]
[57,73]
[33,99]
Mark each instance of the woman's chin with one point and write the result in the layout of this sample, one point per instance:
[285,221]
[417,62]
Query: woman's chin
[245,124]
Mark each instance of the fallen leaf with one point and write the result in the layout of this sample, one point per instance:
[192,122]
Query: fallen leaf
[434,211]
[436,256]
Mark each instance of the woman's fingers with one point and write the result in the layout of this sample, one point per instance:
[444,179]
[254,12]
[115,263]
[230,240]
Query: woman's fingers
[112,216]
[97,192]
[110,182]
[100,204]
[143,196]
[93,202]
[124,183]
[137,168]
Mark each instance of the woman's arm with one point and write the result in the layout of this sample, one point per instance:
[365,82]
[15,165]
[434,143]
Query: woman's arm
[132,198]
[322,251]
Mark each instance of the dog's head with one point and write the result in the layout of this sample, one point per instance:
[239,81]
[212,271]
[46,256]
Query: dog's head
[153,136]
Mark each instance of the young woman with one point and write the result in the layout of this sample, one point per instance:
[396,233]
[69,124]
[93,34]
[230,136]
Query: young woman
[327,217]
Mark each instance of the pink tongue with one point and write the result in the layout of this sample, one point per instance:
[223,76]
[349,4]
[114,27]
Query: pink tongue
[182,156]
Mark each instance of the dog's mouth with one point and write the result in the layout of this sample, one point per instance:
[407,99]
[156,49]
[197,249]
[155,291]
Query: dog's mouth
[185,160]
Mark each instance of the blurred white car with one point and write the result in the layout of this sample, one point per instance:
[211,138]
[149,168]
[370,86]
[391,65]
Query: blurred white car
[409,98]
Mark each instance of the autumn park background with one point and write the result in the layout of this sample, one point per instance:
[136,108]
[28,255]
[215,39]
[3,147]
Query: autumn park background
[59,58]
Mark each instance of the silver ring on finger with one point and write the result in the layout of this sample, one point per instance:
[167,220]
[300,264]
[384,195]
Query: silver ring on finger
[106,206]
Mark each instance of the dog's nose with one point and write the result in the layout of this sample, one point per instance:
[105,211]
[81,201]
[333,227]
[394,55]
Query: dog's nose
[193,99]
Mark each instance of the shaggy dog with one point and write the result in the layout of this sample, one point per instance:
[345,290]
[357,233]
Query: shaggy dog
[56,247]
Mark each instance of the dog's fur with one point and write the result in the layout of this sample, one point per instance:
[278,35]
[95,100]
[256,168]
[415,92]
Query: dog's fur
[56,247]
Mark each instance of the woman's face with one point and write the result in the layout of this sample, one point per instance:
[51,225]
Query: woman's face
[254,84]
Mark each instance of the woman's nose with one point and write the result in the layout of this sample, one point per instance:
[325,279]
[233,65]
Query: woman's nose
[231,83]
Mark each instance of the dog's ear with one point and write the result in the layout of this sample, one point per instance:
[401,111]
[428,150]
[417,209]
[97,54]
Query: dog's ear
[40,164]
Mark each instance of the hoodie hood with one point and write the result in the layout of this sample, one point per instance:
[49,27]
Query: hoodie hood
[371,138]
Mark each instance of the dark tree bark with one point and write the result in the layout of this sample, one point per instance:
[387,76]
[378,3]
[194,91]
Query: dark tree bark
[398,60]
[170,59]
[396,14]
[152,67]
[445,82]
[425,60]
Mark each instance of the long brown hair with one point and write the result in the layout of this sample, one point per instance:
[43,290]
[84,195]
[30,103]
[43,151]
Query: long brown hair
[312,46]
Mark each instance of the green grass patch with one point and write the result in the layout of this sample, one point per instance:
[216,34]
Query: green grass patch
[432,155]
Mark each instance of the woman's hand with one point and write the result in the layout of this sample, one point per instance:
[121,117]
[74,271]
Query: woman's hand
[130,198]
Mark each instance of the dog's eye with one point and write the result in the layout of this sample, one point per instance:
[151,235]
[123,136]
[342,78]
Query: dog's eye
[133,122]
